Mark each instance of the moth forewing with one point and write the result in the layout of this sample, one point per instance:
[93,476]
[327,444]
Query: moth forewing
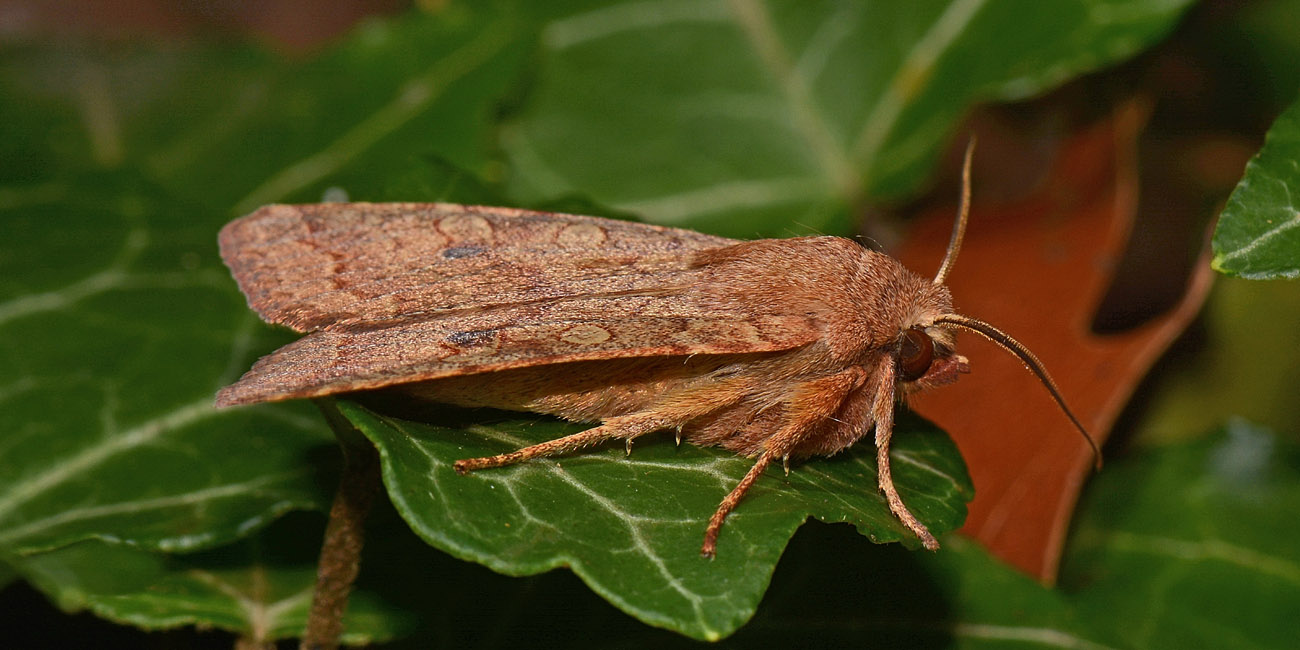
[398,293]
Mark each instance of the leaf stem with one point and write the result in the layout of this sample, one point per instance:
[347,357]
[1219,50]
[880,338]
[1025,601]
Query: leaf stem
[340,555]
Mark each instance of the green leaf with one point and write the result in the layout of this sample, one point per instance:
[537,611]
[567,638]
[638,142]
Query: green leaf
[832,588]
[1240,359]
[832,593]
[1258,234]
[113,352]
[743,117]
[118,322]
[1193,545]
[233,127]
[260,587]
[631,526]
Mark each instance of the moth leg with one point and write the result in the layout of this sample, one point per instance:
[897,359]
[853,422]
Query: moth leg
[812,402]
[883,414]
[673,414]
[729,502]
[620,427]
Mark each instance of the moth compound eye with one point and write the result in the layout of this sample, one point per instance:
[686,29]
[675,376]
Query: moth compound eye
[915,354]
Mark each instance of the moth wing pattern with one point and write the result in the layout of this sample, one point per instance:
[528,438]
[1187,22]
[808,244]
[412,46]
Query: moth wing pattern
[396,293]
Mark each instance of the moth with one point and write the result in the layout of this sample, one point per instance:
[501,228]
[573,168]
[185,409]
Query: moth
[773,349]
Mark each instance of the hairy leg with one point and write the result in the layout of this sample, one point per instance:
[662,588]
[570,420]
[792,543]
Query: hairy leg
[810,404]
[674,411]
[627,427]
[883,414]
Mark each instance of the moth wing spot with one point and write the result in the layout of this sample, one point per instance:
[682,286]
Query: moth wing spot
[460,252]
[586,335]
[740,335]
[466,227]
[582,235]
[747,333]
[471,338]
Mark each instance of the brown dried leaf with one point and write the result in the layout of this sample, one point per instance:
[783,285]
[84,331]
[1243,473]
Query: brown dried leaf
[1038,268]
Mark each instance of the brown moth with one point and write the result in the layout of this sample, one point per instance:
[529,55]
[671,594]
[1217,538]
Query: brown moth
[775,348]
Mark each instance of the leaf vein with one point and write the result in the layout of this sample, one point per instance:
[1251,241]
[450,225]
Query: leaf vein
[1285,226]
[640,543]
[1209,549]
[1038,635]
[113,443]
[912,74]
[721,197]
[413,98]
[105,280]
[138,506]
[624,17]
[756,25]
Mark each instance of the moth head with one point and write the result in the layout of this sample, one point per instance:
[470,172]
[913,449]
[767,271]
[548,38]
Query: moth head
[925,352]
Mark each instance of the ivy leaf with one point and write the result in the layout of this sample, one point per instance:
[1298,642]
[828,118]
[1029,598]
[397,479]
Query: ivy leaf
[1193,544]
[1258,234]
[831,588]
[118,322]
[101,440]
[743,116]
[260,587]
[631,525]
[228,128]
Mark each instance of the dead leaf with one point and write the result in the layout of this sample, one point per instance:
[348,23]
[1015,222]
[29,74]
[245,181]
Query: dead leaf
[1038,268]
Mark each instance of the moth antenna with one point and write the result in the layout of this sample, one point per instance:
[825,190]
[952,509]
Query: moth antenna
[1017,348]
[959,229]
